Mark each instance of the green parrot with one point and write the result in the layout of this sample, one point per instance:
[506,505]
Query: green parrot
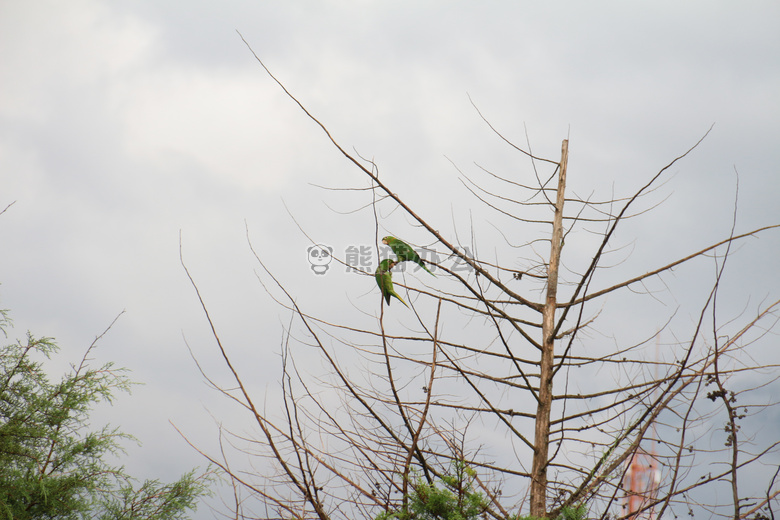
[404,252]
[384,279]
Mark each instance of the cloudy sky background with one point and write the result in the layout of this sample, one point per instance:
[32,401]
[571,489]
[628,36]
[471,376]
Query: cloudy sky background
[125,124]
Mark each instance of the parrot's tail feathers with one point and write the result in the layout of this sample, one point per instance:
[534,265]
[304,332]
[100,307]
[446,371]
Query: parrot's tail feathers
[401,300]
[423,266]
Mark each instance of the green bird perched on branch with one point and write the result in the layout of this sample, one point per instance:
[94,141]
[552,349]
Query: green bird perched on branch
[384,279]
[404,252]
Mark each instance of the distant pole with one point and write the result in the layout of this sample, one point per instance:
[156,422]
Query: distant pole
[642,475]
[641,484]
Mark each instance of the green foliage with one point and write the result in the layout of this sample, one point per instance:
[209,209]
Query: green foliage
[452,498]
[579,512]
[153,499]
[51,466]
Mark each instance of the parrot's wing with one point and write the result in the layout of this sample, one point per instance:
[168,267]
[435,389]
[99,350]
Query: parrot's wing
[385,283]
[405,253]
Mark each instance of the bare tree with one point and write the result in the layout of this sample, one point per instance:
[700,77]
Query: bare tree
[503,374]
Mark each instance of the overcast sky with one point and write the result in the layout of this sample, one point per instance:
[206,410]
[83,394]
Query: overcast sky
[123,124]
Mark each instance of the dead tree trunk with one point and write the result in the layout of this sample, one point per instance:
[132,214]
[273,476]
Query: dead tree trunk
[542,429]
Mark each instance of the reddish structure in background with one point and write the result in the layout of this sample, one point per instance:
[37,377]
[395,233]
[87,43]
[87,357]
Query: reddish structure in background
[640,482]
